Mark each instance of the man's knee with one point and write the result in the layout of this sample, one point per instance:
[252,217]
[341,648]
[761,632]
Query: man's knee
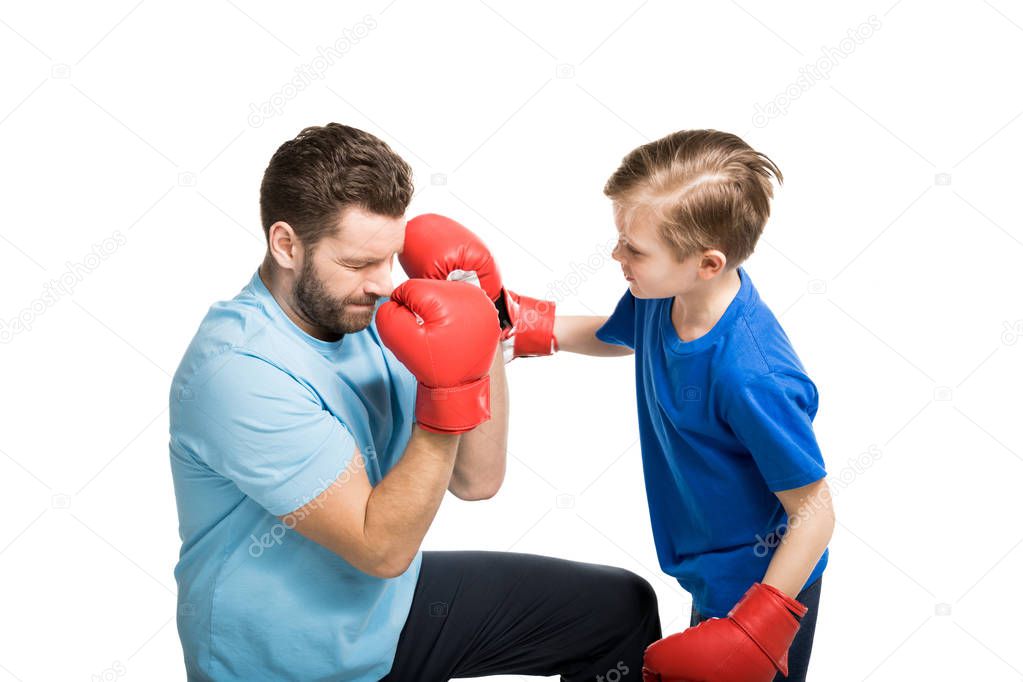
[636,601]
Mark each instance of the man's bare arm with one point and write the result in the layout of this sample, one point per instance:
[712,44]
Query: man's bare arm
[483,452]
[577,334]
[379,529]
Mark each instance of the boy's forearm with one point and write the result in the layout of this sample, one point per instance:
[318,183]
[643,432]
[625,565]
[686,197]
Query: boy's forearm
[577,334]
[483,452]
[808,534]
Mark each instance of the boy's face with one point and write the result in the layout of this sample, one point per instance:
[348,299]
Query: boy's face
[648,263]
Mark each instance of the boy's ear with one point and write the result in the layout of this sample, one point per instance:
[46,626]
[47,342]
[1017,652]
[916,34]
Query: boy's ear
[712,263]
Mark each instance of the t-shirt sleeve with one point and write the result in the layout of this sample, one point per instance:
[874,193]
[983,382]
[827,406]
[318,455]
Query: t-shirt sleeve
[620,328]
[772,416]
[257,425]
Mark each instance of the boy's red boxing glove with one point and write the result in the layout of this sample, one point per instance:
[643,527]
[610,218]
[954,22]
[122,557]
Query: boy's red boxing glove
[446,333]
[437,247]
[751,644]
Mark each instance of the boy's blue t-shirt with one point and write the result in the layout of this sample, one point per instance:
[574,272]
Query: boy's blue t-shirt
[724,421]
[263,418]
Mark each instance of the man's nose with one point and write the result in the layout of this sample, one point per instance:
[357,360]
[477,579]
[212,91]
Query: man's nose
[380,284]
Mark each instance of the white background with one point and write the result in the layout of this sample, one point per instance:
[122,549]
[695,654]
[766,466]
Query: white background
[891,257]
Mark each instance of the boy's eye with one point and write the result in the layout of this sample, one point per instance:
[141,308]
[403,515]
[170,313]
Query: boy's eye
[628,247]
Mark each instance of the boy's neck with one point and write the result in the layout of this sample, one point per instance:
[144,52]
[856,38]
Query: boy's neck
[695,313]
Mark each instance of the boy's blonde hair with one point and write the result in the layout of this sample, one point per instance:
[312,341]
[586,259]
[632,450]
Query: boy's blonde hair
[707,190]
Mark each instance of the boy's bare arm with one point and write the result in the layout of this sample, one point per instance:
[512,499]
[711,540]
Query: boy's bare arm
[810,526]
[577,334]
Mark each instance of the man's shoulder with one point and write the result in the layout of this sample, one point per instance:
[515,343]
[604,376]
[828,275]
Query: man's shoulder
[234,342]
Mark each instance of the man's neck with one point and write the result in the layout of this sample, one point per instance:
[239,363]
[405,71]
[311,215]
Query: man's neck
[696,313]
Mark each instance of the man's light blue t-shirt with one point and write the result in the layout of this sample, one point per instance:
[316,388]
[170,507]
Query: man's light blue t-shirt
[725,421]
[263,418]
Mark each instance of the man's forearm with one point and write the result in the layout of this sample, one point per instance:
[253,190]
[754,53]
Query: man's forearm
[404,503]
[483,452]
[577,334]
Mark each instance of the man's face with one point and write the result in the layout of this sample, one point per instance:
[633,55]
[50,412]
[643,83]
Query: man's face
[648,263]
[340,281]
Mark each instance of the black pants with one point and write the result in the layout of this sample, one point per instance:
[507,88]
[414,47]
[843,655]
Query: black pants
[500,613]
[799,652]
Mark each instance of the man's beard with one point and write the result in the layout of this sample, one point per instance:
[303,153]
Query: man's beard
[331,314]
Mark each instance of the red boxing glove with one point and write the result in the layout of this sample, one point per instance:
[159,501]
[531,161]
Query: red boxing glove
[531,329]
[446,333]
[440,248]
[437,247]
[751,644]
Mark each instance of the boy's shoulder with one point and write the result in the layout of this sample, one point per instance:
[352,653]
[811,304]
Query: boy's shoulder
[758,348]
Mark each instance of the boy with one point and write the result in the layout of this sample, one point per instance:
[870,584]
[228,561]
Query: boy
[739,506]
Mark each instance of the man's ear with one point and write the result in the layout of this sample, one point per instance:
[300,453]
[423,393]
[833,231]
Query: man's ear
[283,245]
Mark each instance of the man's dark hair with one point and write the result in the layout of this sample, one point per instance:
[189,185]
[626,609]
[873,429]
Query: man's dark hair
[326,169]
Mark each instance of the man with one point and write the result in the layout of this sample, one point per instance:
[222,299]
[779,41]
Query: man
[308,464]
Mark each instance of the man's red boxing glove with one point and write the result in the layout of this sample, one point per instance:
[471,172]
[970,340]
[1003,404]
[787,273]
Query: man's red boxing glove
[446,333]
[751,644]
[437,247]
